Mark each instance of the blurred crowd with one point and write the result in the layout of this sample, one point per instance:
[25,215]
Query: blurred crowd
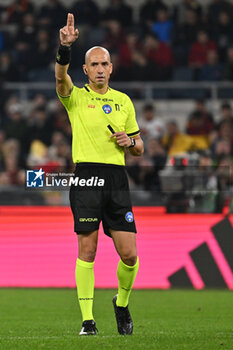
[148,45]
[204,144]
[38,134]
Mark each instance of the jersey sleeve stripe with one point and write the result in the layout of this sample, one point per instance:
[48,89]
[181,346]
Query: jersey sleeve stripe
[134,133]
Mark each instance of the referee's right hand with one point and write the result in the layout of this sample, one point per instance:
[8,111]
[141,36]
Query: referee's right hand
[68,34]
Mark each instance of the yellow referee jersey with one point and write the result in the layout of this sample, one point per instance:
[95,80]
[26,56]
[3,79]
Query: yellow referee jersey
[90,113]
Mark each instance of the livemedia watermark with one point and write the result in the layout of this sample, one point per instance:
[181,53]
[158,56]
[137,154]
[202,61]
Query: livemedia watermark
[38,179]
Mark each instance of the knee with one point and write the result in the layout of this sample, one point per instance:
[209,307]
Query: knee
[88,256]
[129,259]
[87,253]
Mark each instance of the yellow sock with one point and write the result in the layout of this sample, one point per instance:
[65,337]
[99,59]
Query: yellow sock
[126,275]
[85,280]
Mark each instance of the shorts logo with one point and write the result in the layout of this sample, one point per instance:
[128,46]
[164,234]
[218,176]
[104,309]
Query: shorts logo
[88,219]
[129,216]
[107,109]
[35,178]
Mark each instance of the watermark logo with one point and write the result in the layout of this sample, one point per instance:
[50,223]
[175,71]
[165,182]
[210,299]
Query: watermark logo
[35,178]
[129,216]
[39,179]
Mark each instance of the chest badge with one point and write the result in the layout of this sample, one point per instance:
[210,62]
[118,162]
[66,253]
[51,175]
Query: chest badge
[107,109]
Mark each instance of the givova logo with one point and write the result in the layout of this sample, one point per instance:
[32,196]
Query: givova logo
[88,219]
[35,178]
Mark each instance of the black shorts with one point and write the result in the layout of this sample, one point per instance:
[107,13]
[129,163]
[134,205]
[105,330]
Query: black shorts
[101,194]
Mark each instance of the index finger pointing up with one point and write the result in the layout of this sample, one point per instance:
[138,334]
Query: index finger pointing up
[70,20]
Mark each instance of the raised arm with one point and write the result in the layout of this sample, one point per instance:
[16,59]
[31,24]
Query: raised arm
[68,35]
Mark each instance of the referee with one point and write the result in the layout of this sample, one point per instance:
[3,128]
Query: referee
[103,127]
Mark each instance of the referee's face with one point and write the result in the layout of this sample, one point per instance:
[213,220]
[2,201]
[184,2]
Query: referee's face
[98,67]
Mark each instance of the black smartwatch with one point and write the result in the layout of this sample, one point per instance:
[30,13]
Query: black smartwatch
[133,143]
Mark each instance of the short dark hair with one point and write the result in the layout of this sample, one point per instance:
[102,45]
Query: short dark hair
[225,105]
[148,107]
[196,115]
[200,100]
[152,35]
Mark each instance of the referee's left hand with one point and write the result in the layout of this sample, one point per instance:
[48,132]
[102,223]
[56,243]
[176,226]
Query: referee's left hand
[122,139]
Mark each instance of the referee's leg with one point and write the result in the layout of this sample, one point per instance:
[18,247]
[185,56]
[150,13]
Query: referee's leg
[125,244]
[84,273]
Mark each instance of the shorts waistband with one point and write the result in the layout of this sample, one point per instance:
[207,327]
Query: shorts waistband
[104,165]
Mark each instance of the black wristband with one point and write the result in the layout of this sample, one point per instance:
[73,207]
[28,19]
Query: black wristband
[63,55]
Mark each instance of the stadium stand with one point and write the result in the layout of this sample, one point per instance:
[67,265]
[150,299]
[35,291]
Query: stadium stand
[151,42]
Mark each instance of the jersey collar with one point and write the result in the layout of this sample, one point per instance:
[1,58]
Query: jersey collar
[87,87]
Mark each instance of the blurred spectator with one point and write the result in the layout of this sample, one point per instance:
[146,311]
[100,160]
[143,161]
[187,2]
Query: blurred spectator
[129,59]
[199,124]
[119,73]
[8,69]
[199,50]
[42,55]
[17,9]
[217,6]
[144,171]
[160,55]
[42,23]
[52,15]
[2,141]
[128,47]
[12,175]
[200,106]
[57,138]
[62,124]
[86,12]
[150,125]
[39,100]
[60,152]
[222,34]
[15,126]
[212,70]
[148,11]
[38,154]
[186,33]
[23,45]
[223,145]
[119,11]
[176,142]
[157,154]
[163,26]
[26,33]
[206,180]
[21,55]
[140,70]
[224,172]
[228,67]
[115,36]
[198,127]
[40,127]
[226,114]
[184,7]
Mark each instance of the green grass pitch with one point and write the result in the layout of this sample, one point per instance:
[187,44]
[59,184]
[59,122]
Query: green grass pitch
[164,320]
